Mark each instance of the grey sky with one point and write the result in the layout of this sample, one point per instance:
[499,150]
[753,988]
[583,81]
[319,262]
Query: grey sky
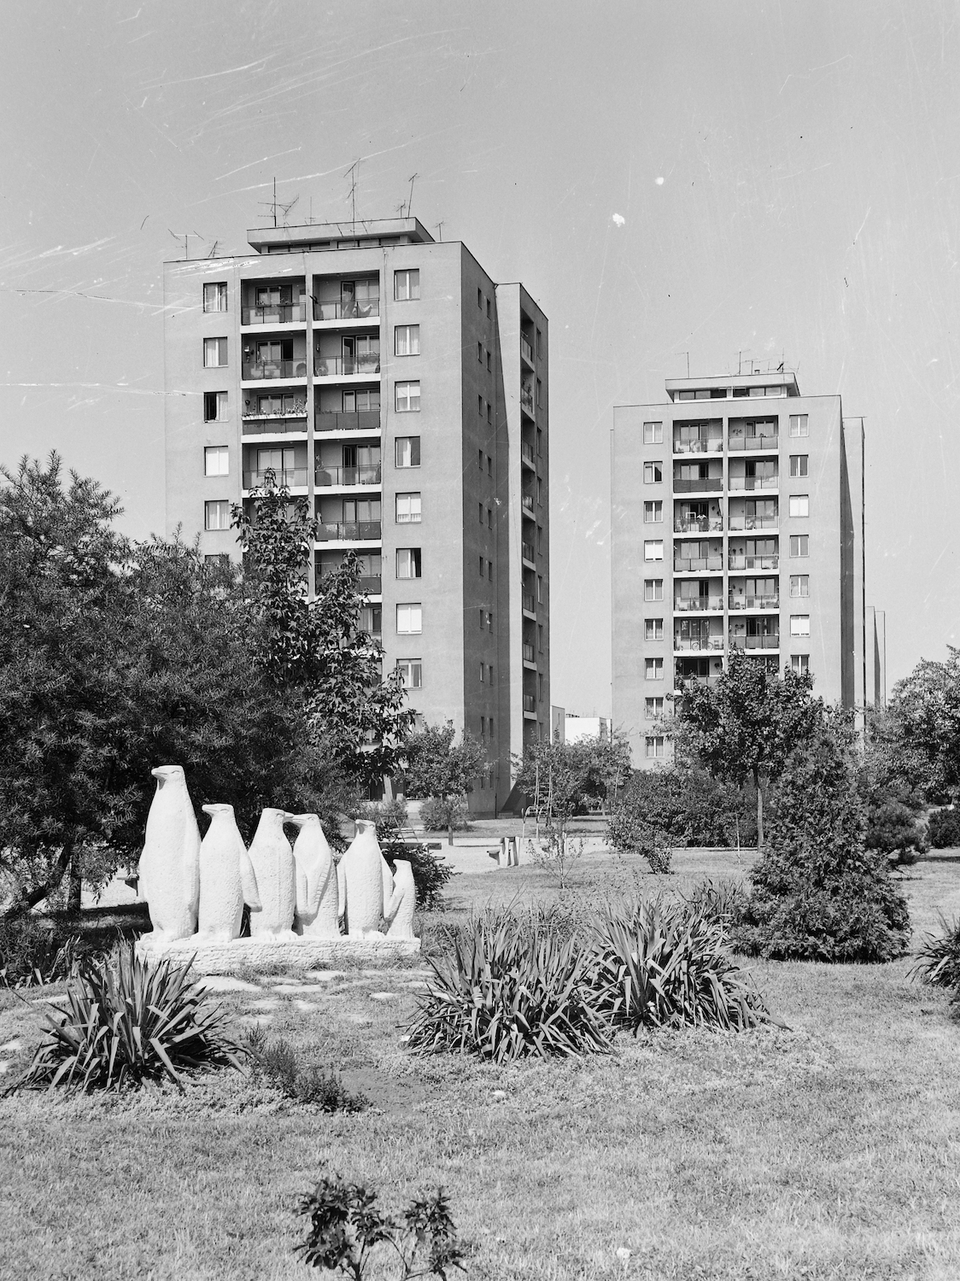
[787,176]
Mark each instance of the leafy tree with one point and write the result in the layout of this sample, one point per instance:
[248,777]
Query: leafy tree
[745,727]
[605,767]
[437,766]
[887,783]
[922,728]
[689,807]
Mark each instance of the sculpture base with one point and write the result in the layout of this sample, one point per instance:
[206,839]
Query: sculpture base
[270,953]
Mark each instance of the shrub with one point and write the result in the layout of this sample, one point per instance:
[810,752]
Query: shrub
[691,808]
[440,813]
[893,830]
[722,902]
[512,987]
[390,816]
[430,872]
[279,1063]
[943,829]
[34,952]
[350,1234]
[127,1021]
[631,833]
[667,966]
[556,852]
[938,957]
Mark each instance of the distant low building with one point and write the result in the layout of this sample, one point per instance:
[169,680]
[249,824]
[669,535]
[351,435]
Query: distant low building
[576,728]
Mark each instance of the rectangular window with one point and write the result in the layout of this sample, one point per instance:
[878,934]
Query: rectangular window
[482,672]
[483,565]
[214,406]
[652,707]
[489,364]
[480,512]
[409,620]
[799,425]
[488,620]
[408,562]
[653,629]
[540,593]
[490,672]
[406,284]
[799,545]
[489,518]
[652,513]
[407,451]
[799,624]
[214,353]
[411,672]
[653,433]
[490,570]
[653,549]
[215,296]
[480,299]
[489,465]
[407,397]
[653,669]
[653,589]
[800,662]
[216,460]
[480,352]
[654,746]
[408,509]
[406,340]
[489,412]
[799,584]
[540,637]
[488,308]
[539,393]
[653,473]
[480,459]
[216,515]
[218,558]
[799,504]
[479,406]
[798,464]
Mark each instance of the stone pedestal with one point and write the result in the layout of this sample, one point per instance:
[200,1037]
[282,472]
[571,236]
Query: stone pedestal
[264,952]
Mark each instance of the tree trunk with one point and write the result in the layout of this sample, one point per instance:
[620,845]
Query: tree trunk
[756,780]
[74,886]
[449,833]
[28,898]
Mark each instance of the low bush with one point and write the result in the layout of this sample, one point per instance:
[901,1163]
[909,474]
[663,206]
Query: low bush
[127,1021]
[938,957]
[943,829]
[668,966]
[631,833]
[279,1063]
[390,816]
[430,873]
[34,951]
[440,813]
[894,830]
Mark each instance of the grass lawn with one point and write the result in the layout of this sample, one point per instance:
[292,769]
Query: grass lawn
[829,1151]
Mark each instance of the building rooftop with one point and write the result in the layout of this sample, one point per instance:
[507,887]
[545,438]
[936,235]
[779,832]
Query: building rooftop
[722,386]
[336,235]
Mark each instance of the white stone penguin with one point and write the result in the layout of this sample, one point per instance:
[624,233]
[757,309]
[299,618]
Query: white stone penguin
[169,869]
[399,910]
[317,897]
[227,879]
[275,870]
[365,883]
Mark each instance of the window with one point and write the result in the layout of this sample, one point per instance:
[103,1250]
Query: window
[482,671]
[652,513]
[214,353]
[216,515]
[407,399]
[800,662]
[539,442]
[653,629]
[799,504]
[653,589]
[653,433]
[654,746]
[406,340]
[480,512]
[216,460]
[799,624]
[411,672]
[539,344]
[489,465]
[480,352]
[407,451]
[490,570]
[653,669]
[482,563]
[406,284]
[799,584]
[540,593]
[408,562]
[652,707]
[489,364]
[214,406]
[480,299]
[480,406]
[490,517]
[799,545]
[409,620]
[488,308]
[540,637]
[215,296]
[539,393]
[489,412]
[798,464]
[219,558]
[408,509]
[653,549]
[653,473]
[486,619]
[480,459]
[799,425]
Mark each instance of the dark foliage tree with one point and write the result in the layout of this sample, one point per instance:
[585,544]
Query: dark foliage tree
[690,807]
[435,765]
[921,731]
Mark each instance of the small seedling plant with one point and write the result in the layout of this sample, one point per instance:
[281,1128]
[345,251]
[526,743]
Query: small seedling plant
[350,1234]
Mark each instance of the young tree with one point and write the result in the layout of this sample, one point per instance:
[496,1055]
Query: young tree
[436,765]
[921,730]
[605,767]
[746,726]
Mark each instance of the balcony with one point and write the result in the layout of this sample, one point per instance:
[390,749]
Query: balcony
[526,402]
[527,552]
[753,522]
[697,564]
[372,584]
[528,655]
[274,314]
[738,561]
[266,369]
[750,443]
[753,482]
[696,680]
[698,604]
[526,350]
[754,602]
[705,484]
[350,531]
[527,503]
[755,642]
[367,310]
[368,474]
[362,420]
[527,602]
[289,476]
[529,705]
[697,524]
[526,455]
[366,365]
[698,642]
[710,445]
[275,425]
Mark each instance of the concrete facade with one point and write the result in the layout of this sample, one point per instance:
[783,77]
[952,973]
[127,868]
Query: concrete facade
[389,380]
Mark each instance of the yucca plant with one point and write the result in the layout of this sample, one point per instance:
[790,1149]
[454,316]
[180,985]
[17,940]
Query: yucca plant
[938,957]
[126,1021]
[512,987]
[666,966]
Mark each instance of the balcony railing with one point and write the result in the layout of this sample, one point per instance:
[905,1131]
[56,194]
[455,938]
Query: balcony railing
[754,522]
[696,680]
[330,366]
[697,524]
[350,531]
[526,349]
[275,426]
[274,369]
[526,453]
[697,604]
[695,564]
[740,443]
[697,642]
[755,642]
[710,484]
[367,474]
[528,602]
[754,602]
[526,402]
[290,476]
[738,561]
[529,703]
[753,482]
[370,307]
[527,501]
[361,420]
[372,584]
[709,445]
[283,313]
[526,551]
[528,656]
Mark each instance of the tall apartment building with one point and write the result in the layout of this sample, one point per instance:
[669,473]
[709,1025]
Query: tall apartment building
[389,380]
[737,525]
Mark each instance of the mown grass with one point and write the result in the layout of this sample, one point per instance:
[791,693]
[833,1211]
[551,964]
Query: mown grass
[830,1151]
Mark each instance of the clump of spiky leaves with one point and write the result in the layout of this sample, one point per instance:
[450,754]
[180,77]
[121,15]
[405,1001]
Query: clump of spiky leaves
[127,1021]
[279,1063]
[722,900]
[938,957]
[512,987]
[667,966]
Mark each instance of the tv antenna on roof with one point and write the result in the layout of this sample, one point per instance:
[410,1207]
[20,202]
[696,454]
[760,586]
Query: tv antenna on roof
[285,209]
[410,196]
[271,205]
[354,170]
[440,229]
[185,237]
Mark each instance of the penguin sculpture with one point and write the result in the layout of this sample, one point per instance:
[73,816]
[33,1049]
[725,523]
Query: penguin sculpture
[317,897]
[399,910]
[275,870]
[365,883]
[227,879]
[169,869]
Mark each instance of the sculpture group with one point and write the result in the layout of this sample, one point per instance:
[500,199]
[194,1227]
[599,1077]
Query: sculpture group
[196,888]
